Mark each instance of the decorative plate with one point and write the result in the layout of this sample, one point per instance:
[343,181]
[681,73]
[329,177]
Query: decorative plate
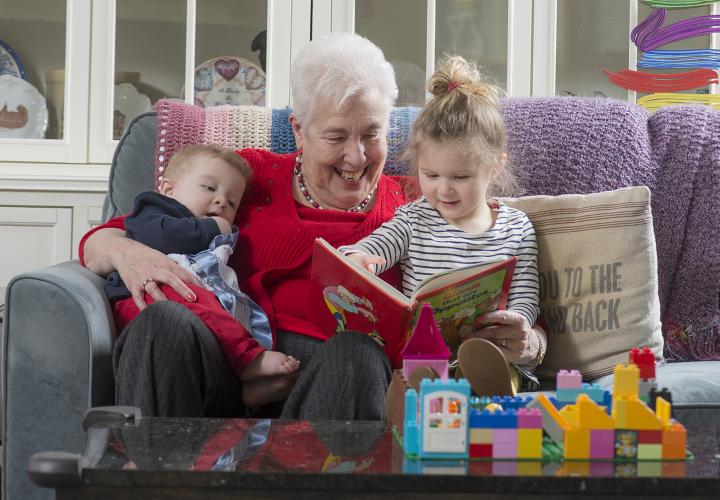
[128,104]
[23,112]
[229,80]
[10,63]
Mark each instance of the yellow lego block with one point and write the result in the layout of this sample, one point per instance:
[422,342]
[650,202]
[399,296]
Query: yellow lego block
[530,443]
[590,415]
[481,436]
[626,381]
[662,410]
[631,413]
[649,451]
[570,414]
[577,444]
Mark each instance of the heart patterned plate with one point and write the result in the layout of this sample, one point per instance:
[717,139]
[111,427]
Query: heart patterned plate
[229,80]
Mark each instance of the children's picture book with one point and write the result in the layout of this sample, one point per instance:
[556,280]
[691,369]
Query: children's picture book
[345,297]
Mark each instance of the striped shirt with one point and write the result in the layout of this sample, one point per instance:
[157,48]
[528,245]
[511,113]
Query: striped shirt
[423,242]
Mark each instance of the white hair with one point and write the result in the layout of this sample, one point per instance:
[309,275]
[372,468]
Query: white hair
[338,66]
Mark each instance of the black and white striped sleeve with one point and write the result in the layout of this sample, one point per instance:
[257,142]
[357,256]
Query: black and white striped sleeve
[524,294]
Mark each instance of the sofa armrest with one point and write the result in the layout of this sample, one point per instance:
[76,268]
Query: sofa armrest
[57,363]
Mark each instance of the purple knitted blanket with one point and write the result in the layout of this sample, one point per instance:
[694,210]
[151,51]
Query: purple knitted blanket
[583,145]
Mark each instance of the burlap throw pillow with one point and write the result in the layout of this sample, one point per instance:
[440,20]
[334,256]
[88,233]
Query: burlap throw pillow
[598,278]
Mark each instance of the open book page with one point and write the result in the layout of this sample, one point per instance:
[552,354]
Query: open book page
[460,296]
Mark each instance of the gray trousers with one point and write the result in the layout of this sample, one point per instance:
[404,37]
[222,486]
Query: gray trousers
[168,363]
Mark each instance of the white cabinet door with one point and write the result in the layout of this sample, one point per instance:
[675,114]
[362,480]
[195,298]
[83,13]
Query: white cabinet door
[414,34]
[43,116]
[207,52]
[33,238]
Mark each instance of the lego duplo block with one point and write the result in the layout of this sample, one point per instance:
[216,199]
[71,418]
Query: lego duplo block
[529,418]
[511,402]
[570,414]
[663,410]
[602,444]
[567,395]
[553,423]
[577,444]
[559,405]
[644,359]
[493,420]
[649,437]
[481,436]
[505,436]
[481,450]
[649,451]
[594,392]
[504,450]
[568,379]
[631,413]
[626,380]
[529,443]
[592,416]
[625,444]
[674,441]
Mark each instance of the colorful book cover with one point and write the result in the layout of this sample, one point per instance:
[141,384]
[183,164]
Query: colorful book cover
[345,297]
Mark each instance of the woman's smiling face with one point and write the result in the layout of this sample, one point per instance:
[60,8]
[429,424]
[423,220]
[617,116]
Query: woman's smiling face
[344,150]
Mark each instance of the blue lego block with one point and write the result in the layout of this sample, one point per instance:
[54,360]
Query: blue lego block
[511,402]
[558,404]
[593,391]
[493,420]
[567,395]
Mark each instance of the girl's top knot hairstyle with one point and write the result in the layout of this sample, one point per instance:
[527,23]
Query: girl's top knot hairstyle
[464,109]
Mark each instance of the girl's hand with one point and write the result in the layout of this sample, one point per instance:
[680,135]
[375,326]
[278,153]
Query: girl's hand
[512,333]
[144,269]
[366,261]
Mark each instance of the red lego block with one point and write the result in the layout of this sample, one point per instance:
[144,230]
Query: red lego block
[645,361]
[481,451]
[649,437]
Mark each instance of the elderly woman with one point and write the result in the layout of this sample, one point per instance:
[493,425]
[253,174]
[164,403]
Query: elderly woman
[168,363]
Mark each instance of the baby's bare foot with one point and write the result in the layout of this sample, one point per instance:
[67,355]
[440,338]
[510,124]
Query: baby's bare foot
[270,364]
[266,390]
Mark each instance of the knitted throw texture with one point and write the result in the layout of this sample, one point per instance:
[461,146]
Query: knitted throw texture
[561,145]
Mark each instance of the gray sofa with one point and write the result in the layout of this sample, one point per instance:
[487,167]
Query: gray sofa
[58,329]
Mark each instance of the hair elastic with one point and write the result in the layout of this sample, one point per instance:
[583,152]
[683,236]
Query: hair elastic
[452,86]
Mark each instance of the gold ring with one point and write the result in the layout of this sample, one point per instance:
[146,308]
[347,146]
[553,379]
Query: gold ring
[146,281]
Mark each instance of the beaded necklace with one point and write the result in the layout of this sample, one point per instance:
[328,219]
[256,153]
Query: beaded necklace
[303,189]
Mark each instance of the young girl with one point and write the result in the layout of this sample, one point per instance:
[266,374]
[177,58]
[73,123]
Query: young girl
[457,148]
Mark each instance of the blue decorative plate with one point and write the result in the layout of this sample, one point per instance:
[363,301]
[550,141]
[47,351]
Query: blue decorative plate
[10,63]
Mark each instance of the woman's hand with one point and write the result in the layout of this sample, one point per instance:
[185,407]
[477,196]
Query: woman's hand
[366,260]
[141,268]
[512,333]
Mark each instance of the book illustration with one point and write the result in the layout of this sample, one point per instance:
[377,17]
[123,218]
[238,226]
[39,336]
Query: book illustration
[339,300]
[345,297]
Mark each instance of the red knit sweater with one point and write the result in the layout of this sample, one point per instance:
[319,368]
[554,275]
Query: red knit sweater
[273,255]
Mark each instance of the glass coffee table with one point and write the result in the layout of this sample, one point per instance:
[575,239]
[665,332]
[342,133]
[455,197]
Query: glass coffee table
[131,457]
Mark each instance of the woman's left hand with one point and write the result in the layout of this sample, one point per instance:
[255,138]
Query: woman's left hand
[512,333]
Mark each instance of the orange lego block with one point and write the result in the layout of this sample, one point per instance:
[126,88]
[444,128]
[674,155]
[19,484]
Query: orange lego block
[530,443]
[626,381]
[631,413]
[590,415]
[553,423]
[674,441]
[577,444]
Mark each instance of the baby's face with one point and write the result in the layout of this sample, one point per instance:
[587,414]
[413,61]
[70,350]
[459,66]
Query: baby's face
[208,187]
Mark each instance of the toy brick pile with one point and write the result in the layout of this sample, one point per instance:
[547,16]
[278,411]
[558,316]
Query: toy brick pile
[583,422]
